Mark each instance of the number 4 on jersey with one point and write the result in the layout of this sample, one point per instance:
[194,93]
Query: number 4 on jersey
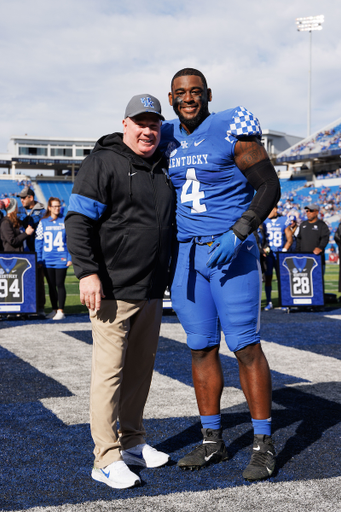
[195,195]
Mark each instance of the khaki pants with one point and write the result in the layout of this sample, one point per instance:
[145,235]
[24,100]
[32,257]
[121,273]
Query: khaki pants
[125,337]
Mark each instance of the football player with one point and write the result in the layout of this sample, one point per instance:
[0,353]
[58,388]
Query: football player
[279,238]
[216,162]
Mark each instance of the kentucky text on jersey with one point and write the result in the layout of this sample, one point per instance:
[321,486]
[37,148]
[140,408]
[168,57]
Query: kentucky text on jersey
[188,160]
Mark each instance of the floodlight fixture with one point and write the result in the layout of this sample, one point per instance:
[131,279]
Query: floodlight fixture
[309,24]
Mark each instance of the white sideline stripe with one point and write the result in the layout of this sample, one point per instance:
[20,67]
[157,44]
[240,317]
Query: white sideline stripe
[68,361]
[288,360]
[333,317]
[53,353]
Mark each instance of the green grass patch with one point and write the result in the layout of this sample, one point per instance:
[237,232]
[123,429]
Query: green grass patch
[73,305]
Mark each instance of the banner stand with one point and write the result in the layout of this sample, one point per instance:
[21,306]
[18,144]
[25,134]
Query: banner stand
[18,283]
[300,280]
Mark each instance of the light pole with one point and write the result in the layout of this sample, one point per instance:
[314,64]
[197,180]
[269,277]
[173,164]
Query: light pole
[308,25]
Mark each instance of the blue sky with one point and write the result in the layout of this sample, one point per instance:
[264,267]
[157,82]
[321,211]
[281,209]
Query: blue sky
[70,67]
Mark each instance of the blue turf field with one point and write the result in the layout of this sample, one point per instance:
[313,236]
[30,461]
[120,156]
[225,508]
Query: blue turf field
[46,447]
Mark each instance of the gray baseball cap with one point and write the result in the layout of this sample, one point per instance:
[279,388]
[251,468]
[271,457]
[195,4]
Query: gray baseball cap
[312,207]
[141,104]
[27,191]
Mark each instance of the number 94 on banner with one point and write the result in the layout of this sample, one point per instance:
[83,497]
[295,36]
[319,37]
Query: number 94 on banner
[18,283]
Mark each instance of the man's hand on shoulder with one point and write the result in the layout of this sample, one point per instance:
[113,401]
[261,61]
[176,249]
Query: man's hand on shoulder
[248,152]
[91,292]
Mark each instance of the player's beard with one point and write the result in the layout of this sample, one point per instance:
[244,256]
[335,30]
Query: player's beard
[194,122]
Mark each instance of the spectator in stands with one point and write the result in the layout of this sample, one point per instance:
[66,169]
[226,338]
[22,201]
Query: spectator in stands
[30,213]
[13,235]
[53,256]
[313,235]
[337,239]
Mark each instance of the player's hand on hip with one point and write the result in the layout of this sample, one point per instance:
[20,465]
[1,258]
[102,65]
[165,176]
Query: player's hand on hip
[223,250]
[91,292]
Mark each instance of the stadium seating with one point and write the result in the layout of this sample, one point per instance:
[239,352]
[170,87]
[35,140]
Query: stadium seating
[10,188]
[60,189]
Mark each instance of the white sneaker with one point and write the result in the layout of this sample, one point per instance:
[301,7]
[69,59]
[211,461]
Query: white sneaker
[59,316]
[116,475]
[52,314]
[268,306]
[144,455]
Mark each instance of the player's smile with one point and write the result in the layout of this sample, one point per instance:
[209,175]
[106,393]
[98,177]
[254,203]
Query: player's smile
[189,98]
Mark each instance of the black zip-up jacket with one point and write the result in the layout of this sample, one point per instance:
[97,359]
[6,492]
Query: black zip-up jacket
[311,235]
[119,223]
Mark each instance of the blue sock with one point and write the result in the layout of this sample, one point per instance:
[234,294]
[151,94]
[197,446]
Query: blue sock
[262,427]
[268,290]
[213,421]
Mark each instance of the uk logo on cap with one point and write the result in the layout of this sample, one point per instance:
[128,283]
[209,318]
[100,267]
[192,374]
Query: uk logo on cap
[147,102]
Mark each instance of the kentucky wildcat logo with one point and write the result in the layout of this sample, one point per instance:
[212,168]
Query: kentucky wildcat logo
[147,102]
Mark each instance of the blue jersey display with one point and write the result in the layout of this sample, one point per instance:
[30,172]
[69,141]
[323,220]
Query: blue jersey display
[212,193]
[275,232]
[50,243]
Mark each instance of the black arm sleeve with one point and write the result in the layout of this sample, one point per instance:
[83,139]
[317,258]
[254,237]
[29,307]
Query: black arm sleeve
[263,177]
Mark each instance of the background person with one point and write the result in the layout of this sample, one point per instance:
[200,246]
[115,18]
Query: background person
[13,235]
[216,162]
[294,228]
[337,239]
[30,213]
[119,228]
[313,235]
[279,238]
[53,256]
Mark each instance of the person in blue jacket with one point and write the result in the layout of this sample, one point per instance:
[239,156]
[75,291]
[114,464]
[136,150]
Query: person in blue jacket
[52,254]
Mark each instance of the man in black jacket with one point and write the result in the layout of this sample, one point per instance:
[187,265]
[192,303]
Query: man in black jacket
[119,231]
[313,235]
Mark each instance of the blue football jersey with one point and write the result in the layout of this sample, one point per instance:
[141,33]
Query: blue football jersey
[212,193]
[50,243]
[275,232]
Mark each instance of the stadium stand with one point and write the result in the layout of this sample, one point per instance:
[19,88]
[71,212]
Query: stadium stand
[10,188]
[60,189]
[325,142]
[43,189]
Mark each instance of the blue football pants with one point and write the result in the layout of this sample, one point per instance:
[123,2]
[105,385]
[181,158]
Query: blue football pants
[226,297]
